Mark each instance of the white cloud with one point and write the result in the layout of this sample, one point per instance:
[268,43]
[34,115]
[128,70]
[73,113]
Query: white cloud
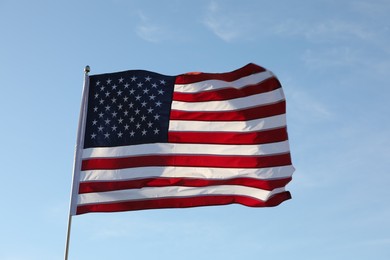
[351,63]
[324,31]
[148,30]
[361,33]
[228,26]
[338,29]
[221,29]
[372,9]
[331,58]
[306,108]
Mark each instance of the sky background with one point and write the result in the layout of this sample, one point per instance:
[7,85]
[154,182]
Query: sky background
[332,58]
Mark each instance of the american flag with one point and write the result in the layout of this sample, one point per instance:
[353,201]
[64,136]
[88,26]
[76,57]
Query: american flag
[155,141]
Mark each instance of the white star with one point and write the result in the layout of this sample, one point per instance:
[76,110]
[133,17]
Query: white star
[102,88]
[127,127]
[131,105]
[121,80]
[119,92]
[132,91]
[158,104]
[114,114]
[156,131]
[138,97]
[93,136]
[148,78]
[109,81]
[108,107]
[127,85]
[161,92]
[114,128]
[152,97]
[94,122]
[143,118]
[107,121]
[143,104]
[106,135]
[134,78]
[162,82]
[126,112]
[125,98]
[100,128]
[101,115]
[144,132]
[120,134]
[154,85]
[95,109]
[137,111]
[139,85]
[120,107]
[97,83]
[114,87]
[138,125]
[150,124]
[146,91]
[156,117]
[132,133]
[107,94]
[132,119]
[120,120]
[150,110]
[101,101]
[96,95]
[113,100]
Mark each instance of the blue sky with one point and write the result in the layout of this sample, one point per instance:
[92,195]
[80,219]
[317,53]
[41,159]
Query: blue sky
[333,59]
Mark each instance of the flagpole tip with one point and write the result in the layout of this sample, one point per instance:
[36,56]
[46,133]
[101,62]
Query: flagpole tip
[87,69]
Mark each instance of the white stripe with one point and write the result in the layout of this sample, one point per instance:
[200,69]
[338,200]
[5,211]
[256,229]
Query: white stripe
[186,172]
[232,104]
[230,126]
[179,148]
[218,84]
[174,192]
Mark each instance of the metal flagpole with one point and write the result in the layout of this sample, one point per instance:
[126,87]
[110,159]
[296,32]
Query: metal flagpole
[77,157]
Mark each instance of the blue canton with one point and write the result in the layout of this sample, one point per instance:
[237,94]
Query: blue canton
[128,108]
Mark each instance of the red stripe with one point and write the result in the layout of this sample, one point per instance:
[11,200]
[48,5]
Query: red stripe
[228,93]
[101,186]
[262,137]
[237,115]
[187,161]
[228,76]
[183,203]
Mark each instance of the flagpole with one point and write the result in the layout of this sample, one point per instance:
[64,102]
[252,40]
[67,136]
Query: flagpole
[77,158]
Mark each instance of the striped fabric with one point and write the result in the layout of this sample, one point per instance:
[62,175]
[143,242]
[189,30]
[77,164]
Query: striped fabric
[198,139]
